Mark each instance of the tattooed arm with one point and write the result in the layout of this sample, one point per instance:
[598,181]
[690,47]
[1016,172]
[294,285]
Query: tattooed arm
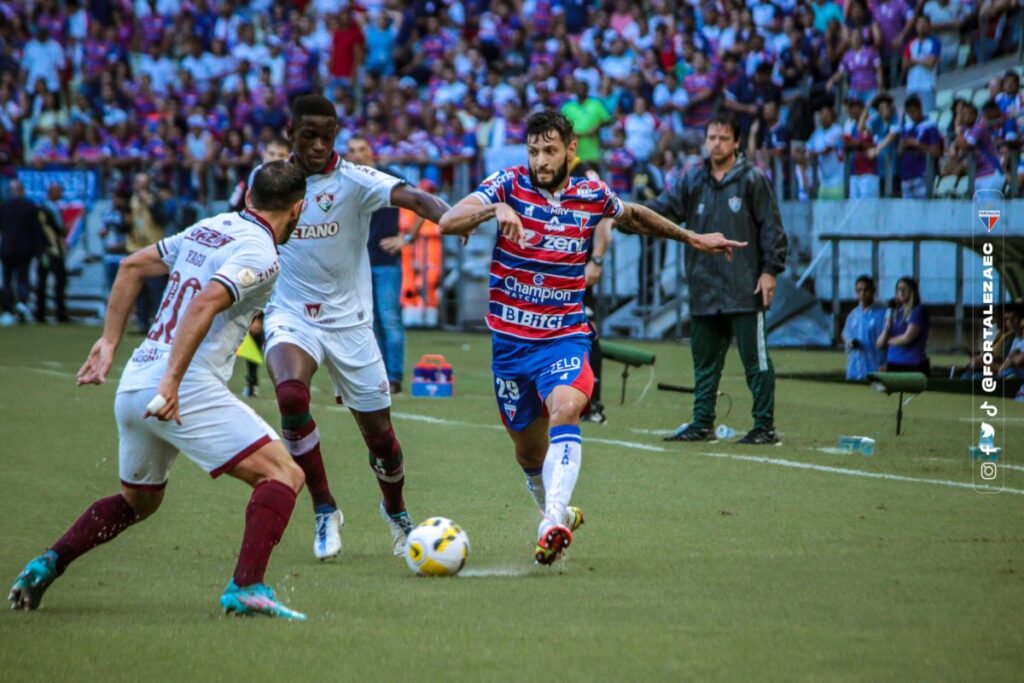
[465,216]
[639,219]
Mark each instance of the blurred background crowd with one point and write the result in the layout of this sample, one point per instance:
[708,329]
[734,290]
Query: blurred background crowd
[193,91]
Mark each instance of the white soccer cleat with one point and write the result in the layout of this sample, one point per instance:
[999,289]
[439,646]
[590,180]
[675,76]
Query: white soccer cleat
[400,526]
[327,538]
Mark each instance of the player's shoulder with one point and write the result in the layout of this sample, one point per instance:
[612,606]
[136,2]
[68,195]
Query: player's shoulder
[363,175]
[505,175]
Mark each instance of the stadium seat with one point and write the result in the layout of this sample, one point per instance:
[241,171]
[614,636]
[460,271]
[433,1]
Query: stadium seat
[961,188]
[963,56]
[945,185]
[945,118]
[965,94]
[981,96]
[934,116]
[944,99]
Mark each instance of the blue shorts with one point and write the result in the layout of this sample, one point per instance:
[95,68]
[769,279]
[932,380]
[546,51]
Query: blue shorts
[526,372]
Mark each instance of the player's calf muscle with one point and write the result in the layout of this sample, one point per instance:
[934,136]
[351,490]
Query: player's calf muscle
[143,503]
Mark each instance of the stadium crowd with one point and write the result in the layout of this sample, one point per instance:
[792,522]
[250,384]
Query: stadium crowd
[191,91]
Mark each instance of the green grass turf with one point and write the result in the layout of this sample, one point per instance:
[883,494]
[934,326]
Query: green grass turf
[690,567]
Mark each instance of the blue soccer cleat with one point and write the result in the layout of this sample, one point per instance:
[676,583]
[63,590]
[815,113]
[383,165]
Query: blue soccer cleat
[254,600]
[33,581]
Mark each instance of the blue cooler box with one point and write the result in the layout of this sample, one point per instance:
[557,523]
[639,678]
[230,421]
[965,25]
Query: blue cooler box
[433,378]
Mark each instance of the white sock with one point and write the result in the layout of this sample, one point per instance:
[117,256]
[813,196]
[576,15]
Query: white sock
[535,485]
[561,468]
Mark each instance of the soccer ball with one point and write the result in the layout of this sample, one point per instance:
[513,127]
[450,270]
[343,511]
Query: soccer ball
[437,547]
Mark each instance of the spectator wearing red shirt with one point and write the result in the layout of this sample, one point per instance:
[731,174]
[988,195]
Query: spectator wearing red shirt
[701,86]
[856,141]
[348,46]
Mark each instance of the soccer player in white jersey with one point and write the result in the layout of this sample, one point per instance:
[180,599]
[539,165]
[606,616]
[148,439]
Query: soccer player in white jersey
[221,272]
[321,314]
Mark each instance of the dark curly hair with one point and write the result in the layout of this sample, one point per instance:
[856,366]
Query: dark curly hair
[546,121]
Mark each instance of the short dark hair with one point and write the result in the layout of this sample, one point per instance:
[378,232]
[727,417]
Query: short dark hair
[727,121]
[866,279]
[546,121]
[912,101]
[312,104]
[280,142]
[276,186]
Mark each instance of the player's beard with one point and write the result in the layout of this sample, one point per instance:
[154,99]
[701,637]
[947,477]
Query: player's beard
[557,180]
[290,229]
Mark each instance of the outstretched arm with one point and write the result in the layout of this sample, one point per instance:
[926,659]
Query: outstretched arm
[639,219]
[464,217]
[422,204]
[143,264]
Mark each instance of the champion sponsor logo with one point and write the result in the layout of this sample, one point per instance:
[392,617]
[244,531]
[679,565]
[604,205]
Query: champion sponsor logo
[537,321]
[735,204]
[317,231]
[510,410]
[325,200]
[989,218]
[566,364]
[535,293]
[313,311]
[208,237]
[538,279]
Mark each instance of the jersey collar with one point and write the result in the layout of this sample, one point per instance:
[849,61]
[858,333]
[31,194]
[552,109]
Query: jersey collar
[258,220]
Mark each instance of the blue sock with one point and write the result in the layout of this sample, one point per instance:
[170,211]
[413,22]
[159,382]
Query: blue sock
[324,508]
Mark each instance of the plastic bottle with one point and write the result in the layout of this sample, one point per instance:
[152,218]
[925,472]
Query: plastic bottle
[724,432]
[857,444]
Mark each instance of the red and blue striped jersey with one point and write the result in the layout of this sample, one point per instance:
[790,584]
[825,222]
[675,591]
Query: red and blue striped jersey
[536,291]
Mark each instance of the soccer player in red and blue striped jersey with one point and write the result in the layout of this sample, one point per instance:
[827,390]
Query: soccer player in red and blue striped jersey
[541,340]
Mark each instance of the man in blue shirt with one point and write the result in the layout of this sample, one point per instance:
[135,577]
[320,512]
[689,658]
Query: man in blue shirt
[863,326]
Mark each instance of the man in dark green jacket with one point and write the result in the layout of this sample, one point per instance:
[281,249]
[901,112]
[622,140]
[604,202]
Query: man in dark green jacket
[728,298]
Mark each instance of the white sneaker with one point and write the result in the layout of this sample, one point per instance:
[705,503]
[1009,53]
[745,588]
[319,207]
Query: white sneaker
[327,538]
[400,526]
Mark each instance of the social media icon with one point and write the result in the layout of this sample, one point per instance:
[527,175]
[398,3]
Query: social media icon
[988,471]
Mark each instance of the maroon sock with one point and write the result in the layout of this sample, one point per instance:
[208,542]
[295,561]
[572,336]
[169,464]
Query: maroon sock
[104,520]
[312,465]
[266,517]
[386,461]
[302,439]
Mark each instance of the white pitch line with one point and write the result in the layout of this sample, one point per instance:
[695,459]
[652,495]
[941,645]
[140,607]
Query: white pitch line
[484,572]
[760,459]
[858,473]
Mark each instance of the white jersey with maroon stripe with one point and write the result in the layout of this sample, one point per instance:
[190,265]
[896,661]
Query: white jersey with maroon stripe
[239,251]
[325,278]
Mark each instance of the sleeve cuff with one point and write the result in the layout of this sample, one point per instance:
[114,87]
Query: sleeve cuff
[229,285]
[484,199]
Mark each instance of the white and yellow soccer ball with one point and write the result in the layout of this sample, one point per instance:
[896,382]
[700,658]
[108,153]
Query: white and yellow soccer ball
[437,547]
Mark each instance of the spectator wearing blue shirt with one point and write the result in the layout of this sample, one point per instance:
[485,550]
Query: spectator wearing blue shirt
[863,327]
[920,139]
[906,331]
[885,131]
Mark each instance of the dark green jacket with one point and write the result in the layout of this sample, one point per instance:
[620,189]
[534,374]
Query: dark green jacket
[742,207]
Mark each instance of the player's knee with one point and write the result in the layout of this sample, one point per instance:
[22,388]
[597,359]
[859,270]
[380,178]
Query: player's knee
[565,413]
[143,502]
[292,475]
[292,397]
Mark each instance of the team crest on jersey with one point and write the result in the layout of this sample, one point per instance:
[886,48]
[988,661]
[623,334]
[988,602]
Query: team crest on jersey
[313,311]
[510,410]
[735,203]
[325,200]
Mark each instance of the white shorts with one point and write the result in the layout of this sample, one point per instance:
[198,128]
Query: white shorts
[217,432]
[353,360]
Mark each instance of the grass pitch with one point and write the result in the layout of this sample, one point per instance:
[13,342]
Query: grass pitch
[697,562]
